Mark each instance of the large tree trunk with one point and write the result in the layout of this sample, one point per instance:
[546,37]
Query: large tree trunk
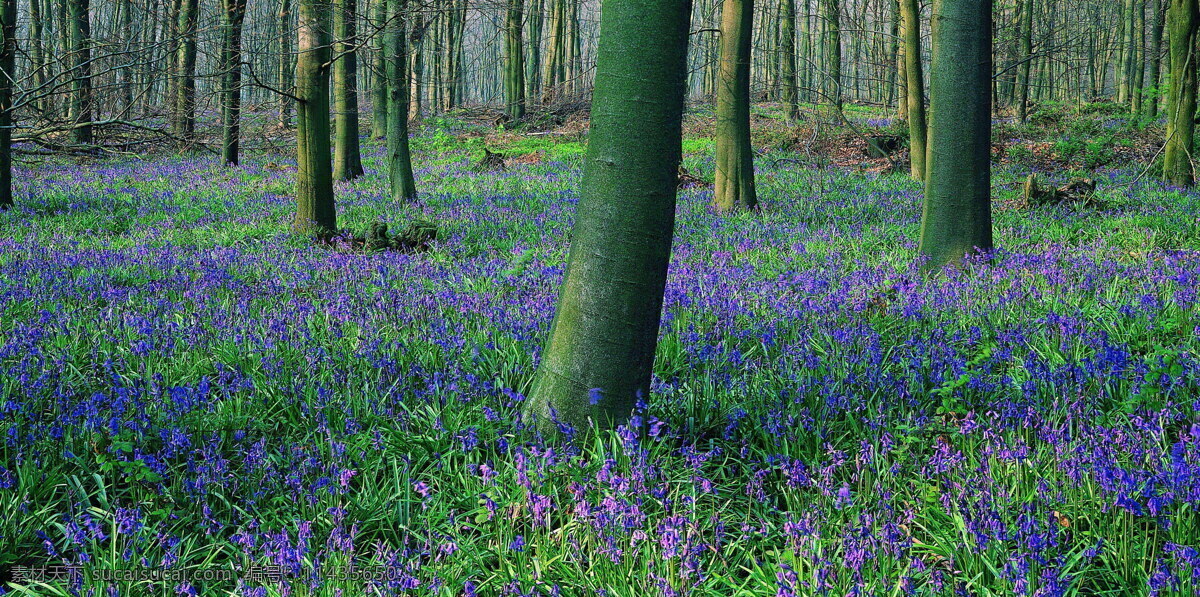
[400,172]
[231,112]
[1026,42]
[514,61]
[185,99]
[347,160]
[735,157]
[1177,155]
[787,39]
[914,76]
[315,211]
[600,353]
[957,220]
[81,75]
[8,74]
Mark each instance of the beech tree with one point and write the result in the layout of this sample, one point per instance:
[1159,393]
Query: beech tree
[957,218]
[315,211]
[600,354]
[400,172]
[231,59]
[734,186]
[514,60]
[1184,18]
[914,79]
[347,160]
[8,75]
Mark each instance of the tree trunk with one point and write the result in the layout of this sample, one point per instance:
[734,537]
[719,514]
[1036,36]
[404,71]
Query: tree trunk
[81,76]
[379,88]
[833,52]
[286,64]
[600,354]
[787,39]
[400,172]
[514,61]
[231,113]
[735,157]
[347,160]
[315,211]
[533,66]
[8,74]
[1183,20]
[956,220]
[1026,42]
[914,84]
[185,99]
[1156,39]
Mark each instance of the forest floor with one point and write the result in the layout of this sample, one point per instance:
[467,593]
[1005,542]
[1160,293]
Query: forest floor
[184,385]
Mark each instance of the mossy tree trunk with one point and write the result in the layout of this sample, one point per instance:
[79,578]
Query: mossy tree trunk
[315,211]
[400,172]
[533,65]
[347,159]
[1150,106]
[81,75]
[787,42]
[734,186]
[8,74]
[600,353]
[231,109]
[1183,20]
[957,219]
[514,60]
[914,77]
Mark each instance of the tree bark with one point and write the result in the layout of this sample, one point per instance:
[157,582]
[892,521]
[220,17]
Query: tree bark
[347,159]
[600,354]
[833,52]
[8,74]
[81,75]
[956,220]
[1026,42]
[400,172]
[734,186]
[1183,21]
[185,98]
[316,214]
[514,60]
[787,39]
[914,86]
[231,113]
[286,63]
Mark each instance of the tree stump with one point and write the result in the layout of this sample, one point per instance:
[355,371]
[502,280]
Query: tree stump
[490,162]
[416,238]
[1077,190]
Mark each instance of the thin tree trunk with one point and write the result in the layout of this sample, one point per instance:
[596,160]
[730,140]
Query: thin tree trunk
[185,99]
[399,159]
[956,220]
[347,159]
[379,89]
[734,186]
[8,74]
[1026,42]
[1156,39]
[787,38]
[235,14]
[81,76]
[286,62]
[833,52]
[514,61]
[915,86]
[600,354]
